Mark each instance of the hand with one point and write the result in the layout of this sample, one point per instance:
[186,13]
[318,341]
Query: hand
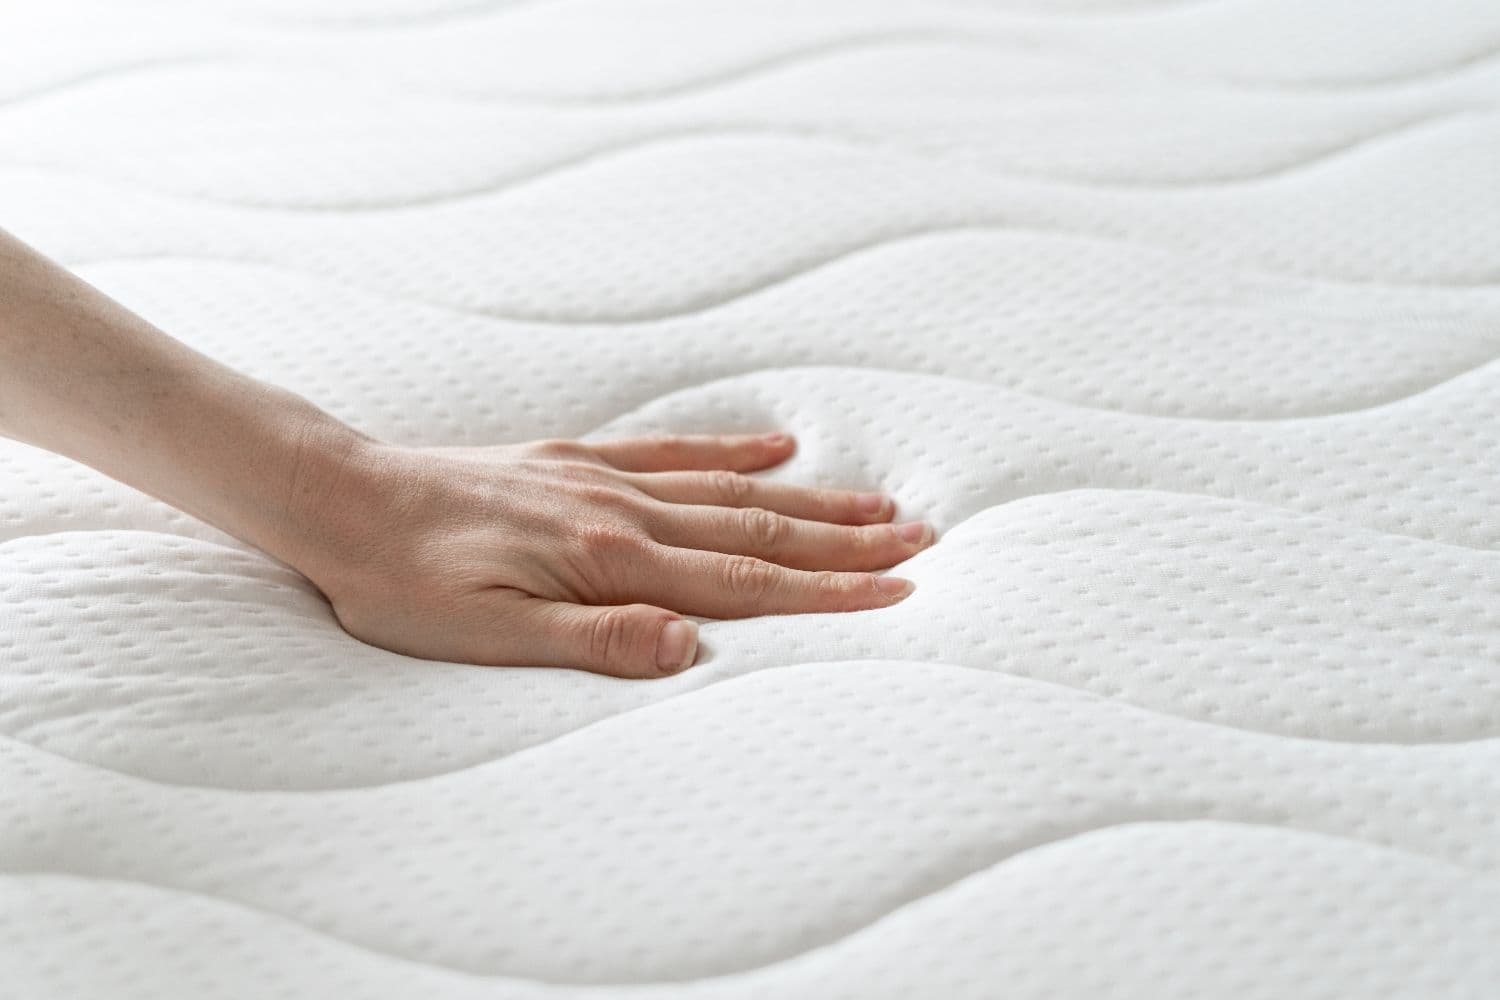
[568,554]
[554,553]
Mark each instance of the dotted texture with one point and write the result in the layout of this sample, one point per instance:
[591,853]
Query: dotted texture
[1179,319]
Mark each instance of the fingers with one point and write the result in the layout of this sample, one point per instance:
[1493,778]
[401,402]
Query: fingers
[716,585]
[788,541]
[631,640]
[724,488]
[739,452]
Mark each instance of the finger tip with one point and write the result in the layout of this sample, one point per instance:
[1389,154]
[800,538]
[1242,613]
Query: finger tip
[676,646]
[757,452]
[916,534]
[894,589]
[874,508]
[779,441]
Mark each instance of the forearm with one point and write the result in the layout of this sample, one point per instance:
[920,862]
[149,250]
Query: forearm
[84,377]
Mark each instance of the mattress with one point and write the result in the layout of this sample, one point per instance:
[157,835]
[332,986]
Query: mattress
[1178,318]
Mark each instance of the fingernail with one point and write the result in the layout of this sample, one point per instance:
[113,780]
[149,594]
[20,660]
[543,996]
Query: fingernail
[777,439]
[676,646]
[893,588]
[871,504]
[914,533]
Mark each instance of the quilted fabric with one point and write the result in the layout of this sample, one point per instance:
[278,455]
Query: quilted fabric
[1177,317]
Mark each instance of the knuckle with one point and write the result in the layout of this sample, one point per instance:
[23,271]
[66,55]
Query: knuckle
[828,502]
[671,445]
[561,448]
[830,585]
[605,539]
[609,637]
[731,487]
[749,577]
[763,528]
[599,494]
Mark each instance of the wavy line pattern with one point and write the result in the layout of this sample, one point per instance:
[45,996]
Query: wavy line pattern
[518,756]
[424,17]
[963,35]
[511,182]
[1061,842]
[772,282]
[798,57]
[1201,664]
[428,16]
[105,75]
[1290,437]
[1045,709]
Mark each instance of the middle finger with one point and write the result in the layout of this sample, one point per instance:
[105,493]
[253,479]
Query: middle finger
[732,489]
[788,541]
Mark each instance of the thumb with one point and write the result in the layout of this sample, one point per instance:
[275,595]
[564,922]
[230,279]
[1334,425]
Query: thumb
[630,640]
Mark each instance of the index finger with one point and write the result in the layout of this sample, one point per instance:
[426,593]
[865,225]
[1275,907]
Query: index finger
[682,452]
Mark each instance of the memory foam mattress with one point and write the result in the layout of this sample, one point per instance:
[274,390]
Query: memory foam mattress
[1178,319]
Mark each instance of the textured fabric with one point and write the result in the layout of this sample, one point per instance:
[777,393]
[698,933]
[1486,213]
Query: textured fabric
[1178,319]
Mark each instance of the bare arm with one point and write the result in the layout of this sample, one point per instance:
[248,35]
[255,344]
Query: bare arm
[552,553]
[82,376]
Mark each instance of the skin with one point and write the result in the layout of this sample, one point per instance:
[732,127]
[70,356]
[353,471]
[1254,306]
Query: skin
[550,553]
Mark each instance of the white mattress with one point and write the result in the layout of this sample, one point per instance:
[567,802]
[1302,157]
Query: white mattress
[1178,318]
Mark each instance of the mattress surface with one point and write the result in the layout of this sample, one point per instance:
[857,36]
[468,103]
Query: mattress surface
[1178,318]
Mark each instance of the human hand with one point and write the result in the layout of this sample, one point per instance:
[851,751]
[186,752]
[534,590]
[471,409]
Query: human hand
[587,555]
[552,553]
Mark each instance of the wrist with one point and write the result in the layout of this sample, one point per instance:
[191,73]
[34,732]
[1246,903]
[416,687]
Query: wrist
[327,483]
